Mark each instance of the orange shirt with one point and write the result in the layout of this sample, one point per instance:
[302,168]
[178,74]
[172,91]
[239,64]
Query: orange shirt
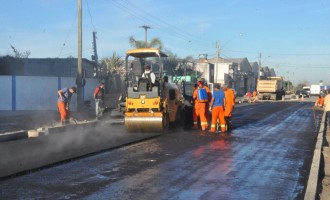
[319,101]
[254,93]
[322,101]
[230,96]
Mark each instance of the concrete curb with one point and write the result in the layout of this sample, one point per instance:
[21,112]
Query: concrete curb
[16,135]
[311,190]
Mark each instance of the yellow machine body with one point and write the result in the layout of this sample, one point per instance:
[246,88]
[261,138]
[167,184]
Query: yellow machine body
[150,111]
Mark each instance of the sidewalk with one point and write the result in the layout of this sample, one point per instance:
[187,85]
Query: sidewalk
[325,167]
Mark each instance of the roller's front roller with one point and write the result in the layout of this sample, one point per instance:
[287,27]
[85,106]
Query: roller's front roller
[145,122]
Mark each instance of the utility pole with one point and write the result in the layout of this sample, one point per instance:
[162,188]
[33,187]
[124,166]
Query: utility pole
[145,33]
[259,70]
[79,71]
[95,57]
[217,65]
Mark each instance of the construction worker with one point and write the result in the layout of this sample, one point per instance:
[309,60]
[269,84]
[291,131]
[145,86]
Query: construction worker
[217,106]
[319,101]
[63,103]
[99,100]
[209,95]
[248,96]
[193,102]
[327,107]
[254,95]
[150,76]
[201,97]
[230,104]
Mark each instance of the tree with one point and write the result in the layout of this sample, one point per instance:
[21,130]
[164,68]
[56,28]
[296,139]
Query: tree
[155,42]
[179,66]
[301,85]
[19,54]
[112,65]
[289,86]
[170,63]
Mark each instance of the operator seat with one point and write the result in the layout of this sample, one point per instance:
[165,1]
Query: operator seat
[144,84]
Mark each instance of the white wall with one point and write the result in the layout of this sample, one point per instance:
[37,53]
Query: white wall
[6,92]
[39,93]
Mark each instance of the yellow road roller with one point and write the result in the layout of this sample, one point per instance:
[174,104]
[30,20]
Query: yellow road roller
[151,105]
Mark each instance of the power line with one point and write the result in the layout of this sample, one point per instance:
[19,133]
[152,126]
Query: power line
[90,15]
[67,36]
[151,19]
[174,31]
[179,30]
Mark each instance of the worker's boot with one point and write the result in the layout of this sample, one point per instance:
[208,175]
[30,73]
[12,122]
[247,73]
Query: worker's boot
[217,127]
[228,123]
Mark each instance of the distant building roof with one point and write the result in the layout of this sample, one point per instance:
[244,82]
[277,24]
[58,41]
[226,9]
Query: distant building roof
[235,60]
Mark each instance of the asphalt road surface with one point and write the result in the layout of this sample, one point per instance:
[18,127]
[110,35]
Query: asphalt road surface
[267,155]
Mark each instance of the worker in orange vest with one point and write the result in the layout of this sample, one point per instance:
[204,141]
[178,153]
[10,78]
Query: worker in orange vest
[230,104]
[254,95]
[217,105]
[319,101]
[201,97]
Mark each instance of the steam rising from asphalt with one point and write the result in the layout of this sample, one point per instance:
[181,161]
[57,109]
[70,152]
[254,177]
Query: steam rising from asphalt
[84,137]
[72,141]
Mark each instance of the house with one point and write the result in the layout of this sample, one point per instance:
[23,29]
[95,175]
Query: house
[237,73]
[255,70]
[267,72]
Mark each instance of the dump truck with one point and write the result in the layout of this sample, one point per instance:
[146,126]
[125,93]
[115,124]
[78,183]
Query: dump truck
[273,88]
[150,109]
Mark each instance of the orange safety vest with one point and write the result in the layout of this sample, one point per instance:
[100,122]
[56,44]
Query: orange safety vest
[230,102]
[200,109]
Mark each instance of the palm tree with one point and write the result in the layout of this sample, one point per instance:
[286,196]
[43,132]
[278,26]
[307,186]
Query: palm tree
[113,65]
[155,42]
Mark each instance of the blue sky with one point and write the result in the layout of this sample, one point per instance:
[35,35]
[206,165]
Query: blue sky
[293,36]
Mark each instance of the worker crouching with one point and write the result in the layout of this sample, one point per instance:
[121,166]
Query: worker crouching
[217,108]
[63,103]
[201,98]
[320,101]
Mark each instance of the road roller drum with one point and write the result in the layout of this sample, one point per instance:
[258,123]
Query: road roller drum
[145,122]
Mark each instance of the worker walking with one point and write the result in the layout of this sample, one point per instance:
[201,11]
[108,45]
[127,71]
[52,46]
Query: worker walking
[217,105]
[201,99]
[99,100]
[63,103]
[230,104]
